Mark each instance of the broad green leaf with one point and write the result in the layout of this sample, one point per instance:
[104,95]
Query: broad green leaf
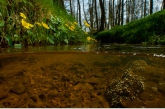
[9,40]
[66,41]
[2,23]
[50,40]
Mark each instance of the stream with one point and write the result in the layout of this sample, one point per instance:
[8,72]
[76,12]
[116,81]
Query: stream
[109,75]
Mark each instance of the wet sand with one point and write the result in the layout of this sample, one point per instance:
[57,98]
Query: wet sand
[76,79]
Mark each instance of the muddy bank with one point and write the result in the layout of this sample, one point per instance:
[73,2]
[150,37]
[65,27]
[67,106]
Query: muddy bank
[76,80]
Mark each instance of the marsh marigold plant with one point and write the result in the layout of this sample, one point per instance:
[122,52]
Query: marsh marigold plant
[22,15]
[86,24]
[39,24]
[26,24]
[45,25]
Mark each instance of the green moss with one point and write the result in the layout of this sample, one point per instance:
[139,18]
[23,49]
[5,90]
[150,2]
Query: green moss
[150,29]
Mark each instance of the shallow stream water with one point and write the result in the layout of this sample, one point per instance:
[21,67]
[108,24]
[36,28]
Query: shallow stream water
[78,76]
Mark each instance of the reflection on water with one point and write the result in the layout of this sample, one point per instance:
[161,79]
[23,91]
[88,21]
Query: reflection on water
[123,49]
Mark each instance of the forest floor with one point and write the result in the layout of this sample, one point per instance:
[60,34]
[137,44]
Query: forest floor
[75,80]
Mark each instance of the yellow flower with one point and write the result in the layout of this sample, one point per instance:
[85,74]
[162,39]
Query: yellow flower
[71,29]
[88,38]
[30,25]
[66,25]
[26,24]
[39,24]
[86,24]
[75,23]
[45,25]
[22,15]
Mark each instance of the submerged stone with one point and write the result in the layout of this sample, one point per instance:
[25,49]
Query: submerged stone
[18,88]
[123,89]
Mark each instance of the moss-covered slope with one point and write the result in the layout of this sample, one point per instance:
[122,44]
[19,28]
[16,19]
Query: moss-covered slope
[148,30]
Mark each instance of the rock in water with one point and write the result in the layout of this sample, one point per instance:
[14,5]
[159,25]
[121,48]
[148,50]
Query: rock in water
[123,89]
[18,88]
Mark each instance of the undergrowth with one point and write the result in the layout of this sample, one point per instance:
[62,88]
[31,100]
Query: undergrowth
[31,22]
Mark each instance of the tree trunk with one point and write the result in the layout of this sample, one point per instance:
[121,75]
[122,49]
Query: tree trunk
[163,4]
[119,10]
[145,8]
[128,11]
[79,8]
[85,17]
[151,6]
[91,13]
[102,15]
[71,11]
[113,12]
[122,12]
[133,11]
[97,25]
[110,14]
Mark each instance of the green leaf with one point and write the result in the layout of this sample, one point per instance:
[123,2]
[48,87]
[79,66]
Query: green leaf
[2,23]
[51,27]
[66,41]
[15,35]
[3,2]
[9,40]
[29,32]
[0,14]
[50,40]
[17,45]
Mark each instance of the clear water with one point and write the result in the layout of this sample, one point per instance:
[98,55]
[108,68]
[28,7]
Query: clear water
[78,76]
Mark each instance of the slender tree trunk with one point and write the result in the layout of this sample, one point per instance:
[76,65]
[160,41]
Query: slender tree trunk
[79,8]
[91,13]
[97,25]
[133,11]
[85,17]
[163,4]
[128,11]
[151,6]
[102,15]
[119,10]
[110,14]
[122,12]
[145,8]
[77,14]
[113,13]
[71,10]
